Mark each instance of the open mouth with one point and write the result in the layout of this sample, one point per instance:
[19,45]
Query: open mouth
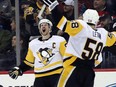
[44,30]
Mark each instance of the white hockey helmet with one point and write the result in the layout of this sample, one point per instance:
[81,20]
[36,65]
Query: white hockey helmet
[45,21]
[91,16]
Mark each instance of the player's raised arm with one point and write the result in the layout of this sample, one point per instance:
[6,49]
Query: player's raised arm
[53,7]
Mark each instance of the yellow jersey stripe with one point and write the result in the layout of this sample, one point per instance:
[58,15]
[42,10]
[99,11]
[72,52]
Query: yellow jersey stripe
[75,30]
[69,61]
[58,71]
[30,56]
[50,65]
[62,47]
[65,75]
[61,23]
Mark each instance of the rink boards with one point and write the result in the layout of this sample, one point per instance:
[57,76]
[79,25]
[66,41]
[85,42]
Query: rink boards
[104,78]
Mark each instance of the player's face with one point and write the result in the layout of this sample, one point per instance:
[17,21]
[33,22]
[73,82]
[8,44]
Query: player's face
[13,25]
[13,41]
[98,4]
[44,29]
[104,22]
[67,8]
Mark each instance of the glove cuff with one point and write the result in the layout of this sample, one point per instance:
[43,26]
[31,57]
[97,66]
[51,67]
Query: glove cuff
[53,5]
[19,70]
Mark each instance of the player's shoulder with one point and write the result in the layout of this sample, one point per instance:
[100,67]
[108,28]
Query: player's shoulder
[102,29]
[33,41]
[81,22]
[57,37]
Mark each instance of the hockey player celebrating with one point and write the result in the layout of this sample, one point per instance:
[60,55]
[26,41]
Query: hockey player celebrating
[84,47]
[45,56]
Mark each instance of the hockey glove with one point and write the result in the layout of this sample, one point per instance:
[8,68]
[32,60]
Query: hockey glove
[50,3]
[15,72]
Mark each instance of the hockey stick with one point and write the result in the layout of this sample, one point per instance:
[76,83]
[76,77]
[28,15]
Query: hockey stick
[41,12]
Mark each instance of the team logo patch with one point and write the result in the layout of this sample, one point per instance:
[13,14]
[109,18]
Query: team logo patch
[45,55]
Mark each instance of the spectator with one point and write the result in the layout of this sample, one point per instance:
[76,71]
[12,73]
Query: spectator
[8,59]
[106,22]
[5,13]
[5,38]
[111,5]
[23,30]
[30,14]
[5,8]
[68,9]
[100,6]
[23,48]
[83,5]
[24,5]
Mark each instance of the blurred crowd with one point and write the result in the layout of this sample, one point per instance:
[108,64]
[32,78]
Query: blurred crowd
[30,14]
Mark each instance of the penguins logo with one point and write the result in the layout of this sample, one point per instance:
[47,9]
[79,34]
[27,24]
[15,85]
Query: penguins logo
[45,55]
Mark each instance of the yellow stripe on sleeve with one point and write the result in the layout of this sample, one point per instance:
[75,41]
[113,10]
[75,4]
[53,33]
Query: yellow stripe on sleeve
[73,28]
[111,39]
[30,56]
[62,23]
[62,47]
